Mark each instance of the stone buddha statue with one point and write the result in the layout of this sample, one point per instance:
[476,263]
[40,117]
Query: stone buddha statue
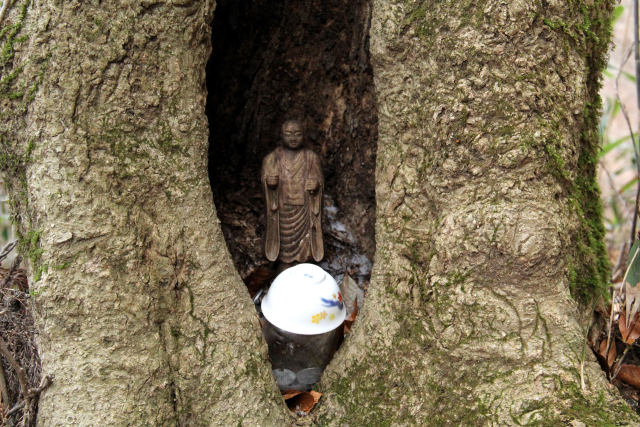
[293,185]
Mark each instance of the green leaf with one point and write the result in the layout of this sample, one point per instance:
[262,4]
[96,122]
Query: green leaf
[611,145]
[617,13]
[631,279]
[618,217]
[633,271]
[628,185]
[621,169]
[616,108]
[629,76]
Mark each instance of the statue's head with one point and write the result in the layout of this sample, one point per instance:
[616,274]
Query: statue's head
[292,134]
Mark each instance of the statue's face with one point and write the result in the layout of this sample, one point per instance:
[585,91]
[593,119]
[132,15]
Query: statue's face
[292,135]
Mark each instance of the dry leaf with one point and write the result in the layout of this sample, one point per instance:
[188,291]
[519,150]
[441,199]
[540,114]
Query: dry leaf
[303,401]
[288,394]
[348,322]
[632,300]
[612,352]
[631,332]
[630,374]
[613,256]
[350,290]
[258,279]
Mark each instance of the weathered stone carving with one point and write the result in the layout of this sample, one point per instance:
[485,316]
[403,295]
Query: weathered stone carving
[293,186]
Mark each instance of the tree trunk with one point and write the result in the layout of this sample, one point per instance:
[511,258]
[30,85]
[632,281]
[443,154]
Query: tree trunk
[142,317]
[487,215]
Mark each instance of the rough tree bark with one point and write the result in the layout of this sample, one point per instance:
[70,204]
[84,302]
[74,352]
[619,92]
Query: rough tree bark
[142,318]
[487,214]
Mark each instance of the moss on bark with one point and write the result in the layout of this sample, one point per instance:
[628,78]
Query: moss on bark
[488,216]
[486,113]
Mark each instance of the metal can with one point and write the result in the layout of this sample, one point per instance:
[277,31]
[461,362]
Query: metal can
[304,315]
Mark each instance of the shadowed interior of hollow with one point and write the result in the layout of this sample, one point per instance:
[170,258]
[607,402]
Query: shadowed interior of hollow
[277,59]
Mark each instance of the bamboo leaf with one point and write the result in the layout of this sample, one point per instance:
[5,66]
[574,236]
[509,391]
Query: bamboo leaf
[611,145]
[631,288]
[616,108]
[629,76]
[633,270]
[628,185]
[617,13]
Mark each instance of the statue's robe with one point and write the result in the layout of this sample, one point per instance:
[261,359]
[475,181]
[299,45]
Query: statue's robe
[294,216]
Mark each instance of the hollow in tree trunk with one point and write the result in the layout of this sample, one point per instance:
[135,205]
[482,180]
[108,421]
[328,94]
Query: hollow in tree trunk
[487,215]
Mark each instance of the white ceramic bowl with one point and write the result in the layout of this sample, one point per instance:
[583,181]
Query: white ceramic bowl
[304,299]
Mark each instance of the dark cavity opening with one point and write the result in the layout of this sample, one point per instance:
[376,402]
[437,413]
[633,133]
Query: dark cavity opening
[304,58]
